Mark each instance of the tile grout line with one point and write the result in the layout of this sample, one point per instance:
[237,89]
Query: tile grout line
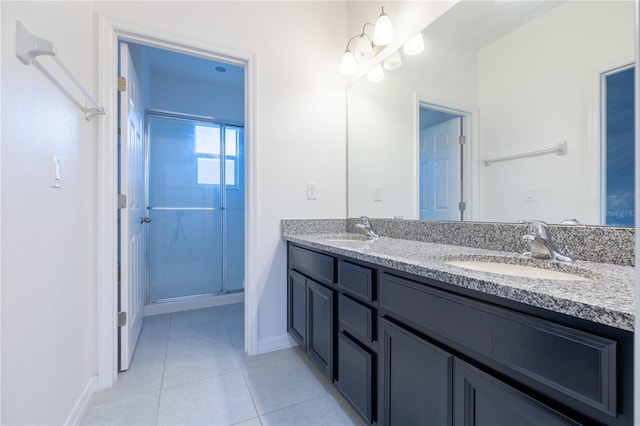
[244,377]
[164,364]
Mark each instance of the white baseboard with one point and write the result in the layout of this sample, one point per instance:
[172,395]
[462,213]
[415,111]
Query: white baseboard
[81,405]
[190,304]
[275,343]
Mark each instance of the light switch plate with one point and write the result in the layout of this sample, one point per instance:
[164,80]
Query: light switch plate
[55,171]
[312,189]
[377,193]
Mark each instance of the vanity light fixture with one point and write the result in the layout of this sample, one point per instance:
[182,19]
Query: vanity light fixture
[366,46]
[414,46]
[383,30]
[393,61]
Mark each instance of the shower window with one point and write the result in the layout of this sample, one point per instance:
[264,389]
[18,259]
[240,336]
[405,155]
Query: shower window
[207,148]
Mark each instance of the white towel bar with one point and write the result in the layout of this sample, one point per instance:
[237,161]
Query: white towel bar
[29,47]
[560,149]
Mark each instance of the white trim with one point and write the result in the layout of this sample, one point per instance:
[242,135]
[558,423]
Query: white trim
[271,344]
[109,32]
[470,123]
[636,344]
[106,204]
[251,277]
[82,403]
[192,303]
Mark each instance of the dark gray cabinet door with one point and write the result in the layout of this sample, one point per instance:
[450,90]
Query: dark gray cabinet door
[481,400]
[297,309]
[320,332]
[355,375]
[415,379]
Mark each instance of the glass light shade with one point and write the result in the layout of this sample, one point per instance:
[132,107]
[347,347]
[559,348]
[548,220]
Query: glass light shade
[364,49]
[376,73]
[414,46]
[383,30]
[348,64]
[393,62]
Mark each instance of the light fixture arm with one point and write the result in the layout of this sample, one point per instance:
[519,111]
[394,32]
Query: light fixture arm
[350,40]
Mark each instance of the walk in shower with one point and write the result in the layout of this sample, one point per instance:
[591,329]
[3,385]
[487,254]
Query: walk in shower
[195,207]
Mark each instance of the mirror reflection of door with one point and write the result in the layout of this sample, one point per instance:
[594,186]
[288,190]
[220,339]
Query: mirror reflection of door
[618,133]
[440,169]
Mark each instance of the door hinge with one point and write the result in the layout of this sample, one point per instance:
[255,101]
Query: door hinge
[122,201]
[462,206]
[119,131]
[122,84]
[122,319]
[462,140]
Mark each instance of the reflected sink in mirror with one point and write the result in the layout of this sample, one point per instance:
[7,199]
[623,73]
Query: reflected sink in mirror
[525,268]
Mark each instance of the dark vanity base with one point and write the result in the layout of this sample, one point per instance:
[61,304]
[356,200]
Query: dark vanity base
[407,350]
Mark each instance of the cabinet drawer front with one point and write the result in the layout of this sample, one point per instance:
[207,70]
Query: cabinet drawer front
[556,359]
[356,280]
[355,375]
[315,265]
[356,319]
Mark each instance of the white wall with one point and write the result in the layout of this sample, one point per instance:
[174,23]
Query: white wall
[534,91]
[46,233]
[225,103]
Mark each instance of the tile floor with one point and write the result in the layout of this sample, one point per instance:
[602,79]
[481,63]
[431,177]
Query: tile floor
[189,368]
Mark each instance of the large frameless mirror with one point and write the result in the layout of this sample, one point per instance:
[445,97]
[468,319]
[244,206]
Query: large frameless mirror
[514,110]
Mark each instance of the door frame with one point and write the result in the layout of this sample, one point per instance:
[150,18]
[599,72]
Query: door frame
[470,125]
[110,32]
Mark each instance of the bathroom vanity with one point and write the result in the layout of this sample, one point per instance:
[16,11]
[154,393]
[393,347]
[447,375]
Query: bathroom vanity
[410,338]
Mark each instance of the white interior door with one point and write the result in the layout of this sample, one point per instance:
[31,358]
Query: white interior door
[133,271]
[440,171]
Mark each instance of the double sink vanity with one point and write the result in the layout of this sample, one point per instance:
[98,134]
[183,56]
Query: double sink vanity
[417,327]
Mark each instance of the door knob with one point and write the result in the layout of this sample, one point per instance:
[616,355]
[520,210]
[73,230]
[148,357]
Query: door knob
[144,220]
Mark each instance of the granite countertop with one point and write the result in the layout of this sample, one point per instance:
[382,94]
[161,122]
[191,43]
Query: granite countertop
[607,297]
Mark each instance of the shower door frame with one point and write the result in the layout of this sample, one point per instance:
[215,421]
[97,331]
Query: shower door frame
[223,200]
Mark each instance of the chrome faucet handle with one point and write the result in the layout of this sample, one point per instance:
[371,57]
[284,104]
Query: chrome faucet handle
[366,225]
[540,244]
[539,228]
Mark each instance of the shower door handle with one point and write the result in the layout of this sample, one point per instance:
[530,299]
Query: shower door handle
[144,220]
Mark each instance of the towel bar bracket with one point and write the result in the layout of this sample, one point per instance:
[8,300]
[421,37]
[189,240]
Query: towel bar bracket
[29,47]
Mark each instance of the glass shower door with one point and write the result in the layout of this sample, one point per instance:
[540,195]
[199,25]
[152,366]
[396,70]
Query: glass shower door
[187,177]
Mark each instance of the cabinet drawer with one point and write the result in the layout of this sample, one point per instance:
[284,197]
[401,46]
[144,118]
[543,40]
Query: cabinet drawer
[555,359]
[315,265]
[356,319]
[356,280]
[355,375]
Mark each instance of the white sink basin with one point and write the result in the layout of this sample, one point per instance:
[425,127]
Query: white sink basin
[516,270]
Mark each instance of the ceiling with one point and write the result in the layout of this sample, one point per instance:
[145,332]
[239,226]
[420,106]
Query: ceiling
[190,67]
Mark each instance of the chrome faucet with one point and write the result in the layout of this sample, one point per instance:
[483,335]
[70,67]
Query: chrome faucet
[366,225]
[540,244]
